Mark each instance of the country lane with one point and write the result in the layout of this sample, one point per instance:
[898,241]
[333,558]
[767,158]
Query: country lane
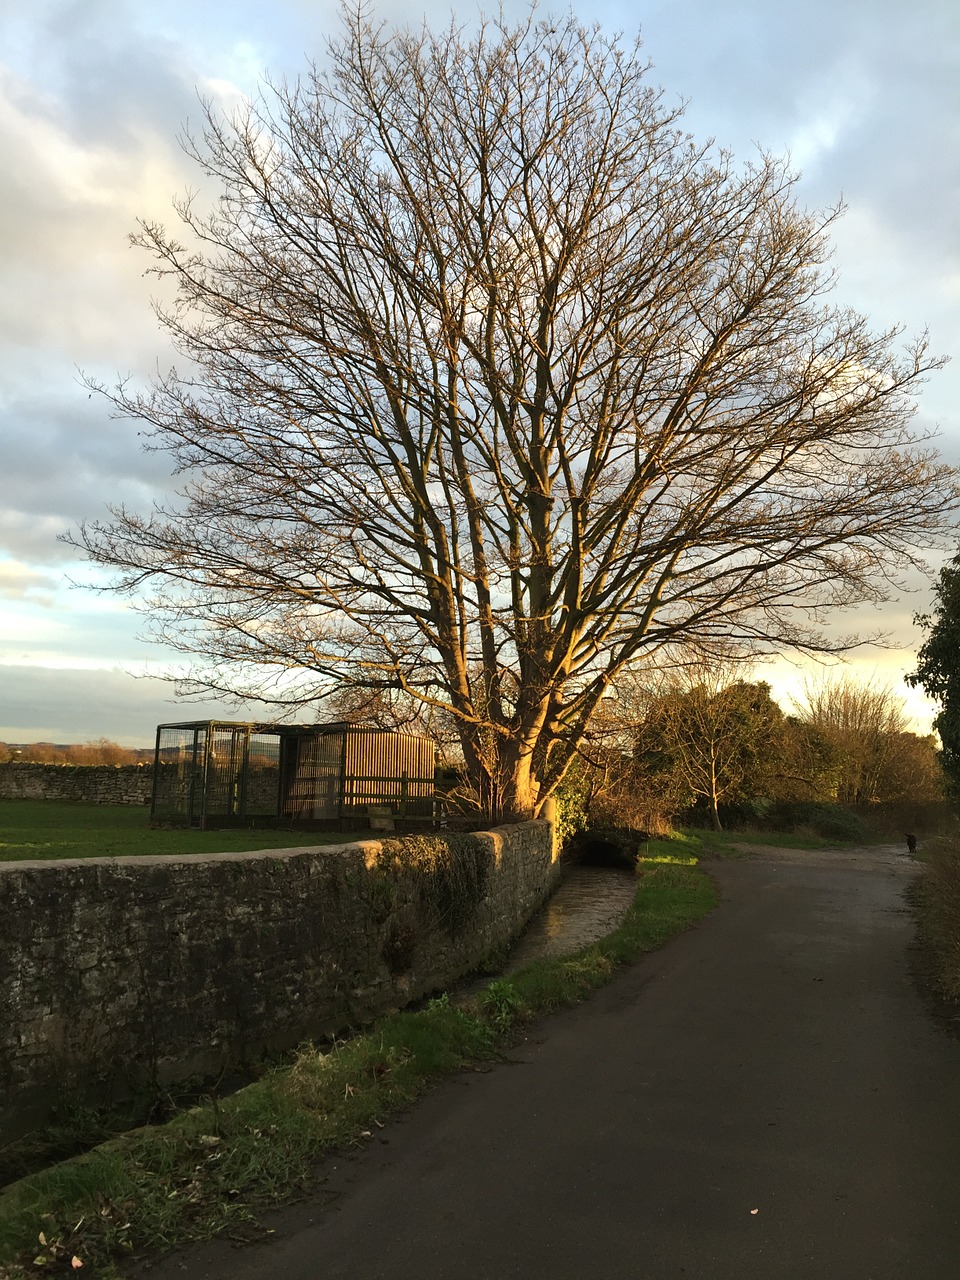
[767,1098]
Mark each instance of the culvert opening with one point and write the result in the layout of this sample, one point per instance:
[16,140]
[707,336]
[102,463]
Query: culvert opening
[600,852]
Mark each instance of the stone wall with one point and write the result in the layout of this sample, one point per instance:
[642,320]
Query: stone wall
[77,783]
[126,974]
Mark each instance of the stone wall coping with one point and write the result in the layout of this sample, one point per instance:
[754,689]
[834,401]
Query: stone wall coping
[180,859]
[368,849]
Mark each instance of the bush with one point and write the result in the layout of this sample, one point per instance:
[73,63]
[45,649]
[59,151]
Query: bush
[572,797]
[830,821]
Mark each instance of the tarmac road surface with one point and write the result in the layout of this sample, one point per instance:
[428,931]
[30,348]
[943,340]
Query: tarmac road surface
[767,1098]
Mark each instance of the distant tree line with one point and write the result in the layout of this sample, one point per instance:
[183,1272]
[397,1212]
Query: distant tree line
[705,741]
[100,751]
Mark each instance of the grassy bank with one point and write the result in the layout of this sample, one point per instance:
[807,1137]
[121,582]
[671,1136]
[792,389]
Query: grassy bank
[45,829]
[735,843]
[937,903]
[213,1168]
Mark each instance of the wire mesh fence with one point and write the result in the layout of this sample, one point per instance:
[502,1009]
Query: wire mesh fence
[215,773]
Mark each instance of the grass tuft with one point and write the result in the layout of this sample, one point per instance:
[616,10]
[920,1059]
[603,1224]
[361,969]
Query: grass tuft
[725,844]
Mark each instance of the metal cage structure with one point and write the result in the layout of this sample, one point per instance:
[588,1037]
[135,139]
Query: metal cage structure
[217,773]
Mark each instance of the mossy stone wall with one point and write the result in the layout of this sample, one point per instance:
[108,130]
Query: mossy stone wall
[127,974]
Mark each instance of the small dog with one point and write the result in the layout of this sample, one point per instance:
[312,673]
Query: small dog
[911,844]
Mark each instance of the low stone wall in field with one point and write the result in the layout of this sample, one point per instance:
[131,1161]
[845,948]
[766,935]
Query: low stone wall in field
[126,974]
[77,783]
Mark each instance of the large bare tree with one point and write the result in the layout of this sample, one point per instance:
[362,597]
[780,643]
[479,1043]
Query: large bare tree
[496,383]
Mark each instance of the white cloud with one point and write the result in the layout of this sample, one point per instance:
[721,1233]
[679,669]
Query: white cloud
[39,703]
[20,582]
[72,284]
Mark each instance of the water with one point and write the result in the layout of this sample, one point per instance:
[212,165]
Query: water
[590,903]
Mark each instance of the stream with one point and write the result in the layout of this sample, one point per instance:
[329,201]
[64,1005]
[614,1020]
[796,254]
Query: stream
[589,903]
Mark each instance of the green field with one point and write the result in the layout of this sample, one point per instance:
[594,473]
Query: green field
[45,829]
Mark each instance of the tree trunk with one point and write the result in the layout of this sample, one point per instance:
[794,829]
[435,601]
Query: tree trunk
[715,814]
[519,796]
[714,811]
[514,791]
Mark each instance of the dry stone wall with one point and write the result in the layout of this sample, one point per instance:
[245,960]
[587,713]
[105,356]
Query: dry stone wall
[77,783]
[123,974]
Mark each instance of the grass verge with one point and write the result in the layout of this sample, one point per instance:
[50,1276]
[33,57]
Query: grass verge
[213,1168]
[46,829]
[936,901]
[724,843]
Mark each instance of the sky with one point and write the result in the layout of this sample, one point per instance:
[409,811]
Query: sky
[863,94]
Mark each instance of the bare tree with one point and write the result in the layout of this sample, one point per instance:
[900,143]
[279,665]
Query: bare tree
[497,383]
[389,708]
[876,757]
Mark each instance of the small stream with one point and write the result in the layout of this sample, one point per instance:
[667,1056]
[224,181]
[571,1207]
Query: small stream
[590,902]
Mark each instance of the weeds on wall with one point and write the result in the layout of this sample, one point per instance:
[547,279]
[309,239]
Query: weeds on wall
[450,873]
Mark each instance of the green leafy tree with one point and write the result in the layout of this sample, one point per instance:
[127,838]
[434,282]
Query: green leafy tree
[938,667]
[715,738]
[912,771]
[808,764]
[496,383]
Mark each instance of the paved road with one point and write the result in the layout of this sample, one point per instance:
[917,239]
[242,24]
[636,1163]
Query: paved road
[765,1099]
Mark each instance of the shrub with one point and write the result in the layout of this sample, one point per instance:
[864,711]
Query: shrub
[830,821]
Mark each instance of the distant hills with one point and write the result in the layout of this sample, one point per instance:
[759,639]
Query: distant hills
[101,751]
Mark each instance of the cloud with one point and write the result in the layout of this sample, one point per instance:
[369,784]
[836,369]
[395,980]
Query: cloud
[20,582]
[863,93]
[70,188]
[91,101]
[81,629]
[64,460]
[108,74]
[66,210]
[832,109]
[41,704]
